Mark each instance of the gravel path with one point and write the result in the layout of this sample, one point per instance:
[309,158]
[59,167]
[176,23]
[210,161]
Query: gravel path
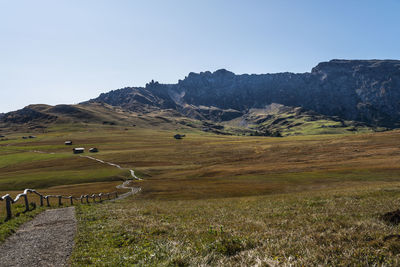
[47,240]
[125,185]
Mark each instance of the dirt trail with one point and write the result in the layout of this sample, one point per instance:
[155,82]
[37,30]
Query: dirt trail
[113,164]
[124,185]
[47,240]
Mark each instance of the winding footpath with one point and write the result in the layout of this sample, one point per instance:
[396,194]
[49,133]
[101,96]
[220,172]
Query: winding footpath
[124,185]
[48,239]
[114,165]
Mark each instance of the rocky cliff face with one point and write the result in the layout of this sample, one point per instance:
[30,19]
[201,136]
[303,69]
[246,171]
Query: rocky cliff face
[361,90]
[366,91]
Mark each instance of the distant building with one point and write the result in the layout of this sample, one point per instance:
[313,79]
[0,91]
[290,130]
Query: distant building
[68,143]
[78,150]
[179,136]
[93,150]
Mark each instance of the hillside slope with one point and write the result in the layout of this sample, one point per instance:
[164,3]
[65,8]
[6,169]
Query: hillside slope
[39,117]
[273,120]
[279,120]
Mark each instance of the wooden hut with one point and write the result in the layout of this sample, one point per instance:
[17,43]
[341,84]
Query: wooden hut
[179,136]
[93,150]
[78,150]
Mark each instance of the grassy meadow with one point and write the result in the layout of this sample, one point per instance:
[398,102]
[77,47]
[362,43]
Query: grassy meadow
[219,200]
[321,227]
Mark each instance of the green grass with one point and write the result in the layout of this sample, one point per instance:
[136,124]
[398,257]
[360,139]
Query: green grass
[18,158]
[293,122]
[21,167]
[220,200]
[318,127]
[332,227]
[44,179]
[7,228]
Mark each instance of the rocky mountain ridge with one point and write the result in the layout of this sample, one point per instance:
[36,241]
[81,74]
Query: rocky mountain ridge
[335,97]
[359,90]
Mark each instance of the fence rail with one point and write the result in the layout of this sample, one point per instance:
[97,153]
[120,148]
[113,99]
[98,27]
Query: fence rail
[83,199]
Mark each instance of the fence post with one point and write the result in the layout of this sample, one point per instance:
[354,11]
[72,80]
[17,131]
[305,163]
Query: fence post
[8,208]
[26,202]
[9,200]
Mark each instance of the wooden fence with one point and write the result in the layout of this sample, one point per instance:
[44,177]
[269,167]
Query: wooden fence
[24,196]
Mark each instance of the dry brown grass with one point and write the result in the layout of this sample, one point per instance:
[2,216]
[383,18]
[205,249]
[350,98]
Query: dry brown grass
[203,165]
[321,227]
[209,166]
[230,200]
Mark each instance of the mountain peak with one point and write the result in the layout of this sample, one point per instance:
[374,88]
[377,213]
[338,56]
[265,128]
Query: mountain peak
[357,90]
[223,72]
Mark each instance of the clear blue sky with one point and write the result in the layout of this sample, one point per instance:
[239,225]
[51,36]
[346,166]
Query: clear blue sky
[67,51]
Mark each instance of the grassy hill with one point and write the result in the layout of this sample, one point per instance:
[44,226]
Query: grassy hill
[44,118]
[280,120]
[274,120]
